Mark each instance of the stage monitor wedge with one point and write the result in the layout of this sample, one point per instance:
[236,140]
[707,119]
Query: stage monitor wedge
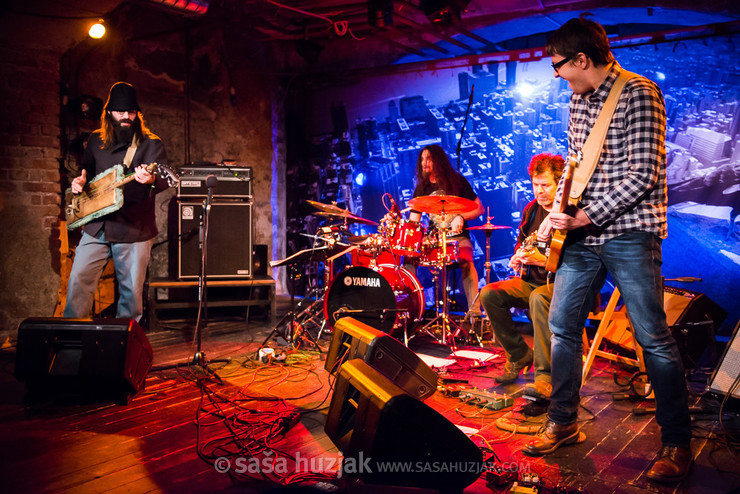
[73,359]
[725,376]
[388,437]
[353,339]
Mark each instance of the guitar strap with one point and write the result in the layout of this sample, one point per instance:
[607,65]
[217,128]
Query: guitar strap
[130,152]
[591,150]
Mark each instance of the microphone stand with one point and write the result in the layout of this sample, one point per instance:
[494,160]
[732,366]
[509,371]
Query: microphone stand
[462,130]
[199,358]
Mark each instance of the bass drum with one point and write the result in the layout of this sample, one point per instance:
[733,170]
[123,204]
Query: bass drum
[367,294]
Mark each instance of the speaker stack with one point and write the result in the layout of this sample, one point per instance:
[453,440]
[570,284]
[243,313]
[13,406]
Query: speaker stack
[229,244]
[378,420]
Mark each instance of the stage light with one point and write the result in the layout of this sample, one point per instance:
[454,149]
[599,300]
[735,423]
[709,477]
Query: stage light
[360,179]
[660,76]
[525,89]
[97,30]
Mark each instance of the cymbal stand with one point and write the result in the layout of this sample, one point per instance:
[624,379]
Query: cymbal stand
[487,268]
[290,318]
[443,318]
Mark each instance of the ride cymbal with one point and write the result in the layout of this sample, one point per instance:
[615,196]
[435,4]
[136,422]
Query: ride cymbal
[439,204]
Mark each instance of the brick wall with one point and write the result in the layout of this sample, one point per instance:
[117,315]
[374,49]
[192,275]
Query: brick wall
[29,185]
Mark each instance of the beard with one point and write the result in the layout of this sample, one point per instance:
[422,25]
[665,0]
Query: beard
[123,134]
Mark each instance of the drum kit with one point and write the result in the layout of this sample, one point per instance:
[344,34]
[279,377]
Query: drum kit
[380,287]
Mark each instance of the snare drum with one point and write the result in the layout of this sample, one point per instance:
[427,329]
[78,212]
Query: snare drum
[407,238]
[380,297]
[431,252]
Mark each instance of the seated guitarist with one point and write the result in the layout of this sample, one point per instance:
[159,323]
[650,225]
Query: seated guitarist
[125,235]
[529,290]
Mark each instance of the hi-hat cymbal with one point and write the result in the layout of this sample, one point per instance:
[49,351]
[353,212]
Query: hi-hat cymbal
[371,239]
[489,227]
[349,217]
[442,204]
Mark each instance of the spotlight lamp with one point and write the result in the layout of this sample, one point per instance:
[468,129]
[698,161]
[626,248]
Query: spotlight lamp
[97,30]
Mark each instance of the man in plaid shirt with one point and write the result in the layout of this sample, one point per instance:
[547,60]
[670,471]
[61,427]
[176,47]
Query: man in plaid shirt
[618,226]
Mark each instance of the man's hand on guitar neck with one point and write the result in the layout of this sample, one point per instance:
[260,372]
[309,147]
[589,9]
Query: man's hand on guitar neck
[79,182]
[562,221]
[143,175]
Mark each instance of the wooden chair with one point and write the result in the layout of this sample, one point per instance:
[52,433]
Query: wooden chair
[615,325]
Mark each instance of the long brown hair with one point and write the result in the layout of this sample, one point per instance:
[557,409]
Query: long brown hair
[107,134]
[447,178]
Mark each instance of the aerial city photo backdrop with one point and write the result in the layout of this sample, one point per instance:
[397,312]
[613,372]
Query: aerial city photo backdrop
[371,132]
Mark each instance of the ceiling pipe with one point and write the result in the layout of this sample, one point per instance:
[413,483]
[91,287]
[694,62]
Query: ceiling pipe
[195,7]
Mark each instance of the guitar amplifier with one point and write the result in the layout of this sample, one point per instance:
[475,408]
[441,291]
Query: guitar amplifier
[233,181]
[684,306]
[229,245]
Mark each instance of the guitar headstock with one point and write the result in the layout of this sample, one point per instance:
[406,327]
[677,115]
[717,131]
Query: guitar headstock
[165,172]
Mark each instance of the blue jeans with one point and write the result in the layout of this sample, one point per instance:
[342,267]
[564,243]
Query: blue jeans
[130,261]
[634,262]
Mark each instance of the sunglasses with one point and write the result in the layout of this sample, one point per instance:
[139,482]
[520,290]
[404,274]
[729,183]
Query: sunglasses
[557,65]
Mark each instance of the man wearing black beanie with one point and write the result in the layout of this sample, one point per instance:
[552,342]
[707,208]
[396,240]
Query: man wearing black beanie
[127,234]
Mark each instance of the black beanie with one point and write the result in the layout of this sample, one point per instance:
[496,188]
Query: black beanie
[122,97]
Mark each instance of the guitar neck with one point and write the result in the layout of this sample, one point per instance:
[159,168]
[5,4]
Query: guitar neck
[562,201]
[126,179]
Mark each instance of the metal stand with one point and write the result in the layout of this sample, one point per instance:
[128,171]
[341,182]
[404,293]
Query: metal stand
[199,358]
[443,319]
[292,318]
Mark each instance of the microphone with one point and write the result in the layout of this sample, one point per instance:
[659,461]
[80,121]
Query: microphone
[395,207]
[211,182]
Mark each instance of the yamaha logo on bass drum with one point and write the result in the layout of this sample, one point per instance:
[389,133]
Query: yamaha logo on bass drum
[362,281]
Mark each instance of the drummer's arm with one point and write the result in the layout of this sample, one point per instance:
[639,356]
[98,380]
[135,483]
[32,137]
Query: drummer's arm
[476,212]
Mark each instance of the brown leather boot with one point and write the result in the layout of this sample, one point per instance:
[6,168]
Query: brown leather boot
[673,464]
[550,437]
[539,390]
[512,369]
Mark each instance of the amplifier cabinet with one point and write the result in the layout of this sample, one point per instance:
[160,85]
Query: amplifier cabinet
[233,182]
[229,240]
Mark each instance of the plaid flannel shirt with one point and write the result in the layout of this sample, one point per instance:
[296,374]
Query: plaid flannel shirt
[628,190]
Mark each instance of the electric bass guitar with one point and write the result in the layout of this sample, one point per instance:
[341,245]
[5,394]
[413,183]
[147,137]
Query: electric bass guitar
[104,194]
[559,206]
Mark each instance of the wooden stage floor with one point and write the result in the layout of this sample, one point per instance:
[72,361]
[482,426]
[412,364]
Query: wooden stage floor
[170,437]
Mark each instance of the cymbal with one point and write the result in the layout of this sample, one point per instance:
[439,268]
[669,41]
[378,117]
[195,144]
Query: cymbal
[351,218]
[371,239]
[442,203]
[327,208]
[489,227]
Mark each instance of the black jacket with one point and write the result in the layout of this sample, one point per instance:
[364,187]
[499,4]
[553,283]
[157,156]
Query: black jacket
[136,220]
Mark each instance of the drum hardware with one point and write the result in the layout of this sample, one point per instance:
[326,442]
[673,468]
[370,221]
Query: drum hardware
[291,319]
[297,321]
[488,228]
[333,211]
[443,205]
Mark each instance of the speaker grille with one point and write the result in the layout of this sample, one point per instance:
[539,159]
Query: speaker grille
[229,240]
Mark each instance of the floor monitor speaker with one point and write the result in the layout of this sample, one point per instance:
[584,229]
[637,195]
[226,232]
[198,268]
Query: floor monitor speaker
[389,437]
[354,339]
[725,377]
[77,358]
